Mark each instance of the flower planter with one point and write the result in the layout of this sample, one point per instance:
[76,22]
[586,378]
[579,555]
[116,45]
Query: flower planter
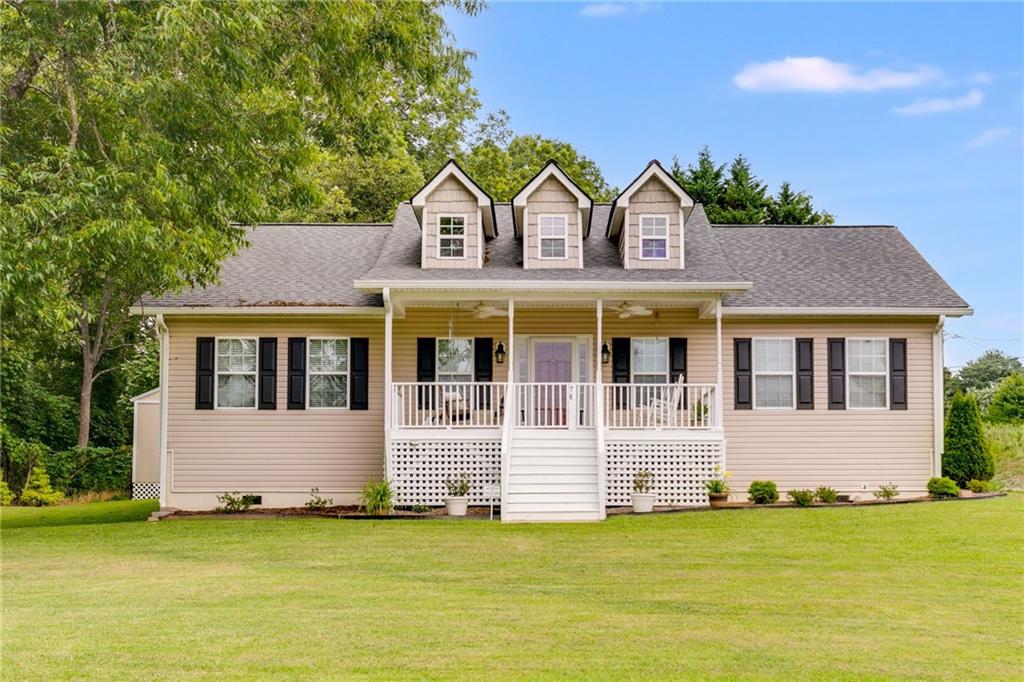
[643,502]
[456,506]
[718,500]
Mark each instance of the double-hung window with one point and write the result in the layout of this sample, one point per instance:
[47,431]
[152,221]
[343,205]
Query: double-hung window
[451,230]
[328,364]
[649,365]
[867,361]
[653,237]
[553,237]
[774,375]
[455,360]
[236,372]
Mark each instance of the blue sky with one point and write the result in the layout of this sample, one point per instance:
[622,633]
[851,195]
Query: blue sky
[887,114]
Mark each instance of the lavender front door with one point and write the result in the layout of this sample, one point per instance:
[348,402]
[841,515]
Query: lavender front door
[552,364]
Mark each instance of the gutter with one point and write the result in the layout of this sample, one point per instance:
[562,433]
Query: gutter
[838,311]
[568,285]
[363,311]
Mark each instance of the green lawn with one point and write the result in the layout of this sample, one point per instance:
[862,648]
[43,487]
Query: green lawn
[924,590]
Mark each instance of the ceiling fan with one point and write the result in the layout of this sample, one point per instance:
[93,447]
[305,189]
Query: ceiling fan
[482,311]
[626,310]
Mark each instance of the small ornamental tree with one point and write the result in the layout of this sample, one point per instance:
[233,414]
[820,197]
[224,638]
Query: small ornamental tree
[38,492]
[1007,403]
[965,456]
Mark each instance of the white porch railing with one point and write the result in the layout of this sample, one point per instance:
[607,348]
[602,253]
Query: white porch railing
[448,405]
[660,406]
[553,405]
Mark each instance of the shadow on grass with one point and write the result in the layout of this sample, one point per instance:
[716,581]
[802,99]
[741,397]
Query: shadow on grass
[76,514]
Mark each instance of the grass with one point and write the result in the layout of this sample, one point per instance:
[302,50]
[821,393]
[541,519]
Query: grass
[1006,442]
[925,591]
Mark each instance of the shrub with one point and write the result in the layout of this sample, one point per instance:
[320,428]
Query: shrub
[887,491]
[763,492]
[316,502]
[976,486]
[422,508]
[1007,403]
[643,481]
[234,503]
[802,498]
[38,492]
[965,456]
[6,497]
[377,498]
[826,495]
[458,486]
[940,488]
[90,469]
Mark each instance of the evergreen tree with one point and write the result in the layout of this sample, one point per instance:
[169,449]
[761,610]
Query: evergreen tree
[795,208]
[746,198]
[705,182]
[38,492]
[1008,402]
[966,456]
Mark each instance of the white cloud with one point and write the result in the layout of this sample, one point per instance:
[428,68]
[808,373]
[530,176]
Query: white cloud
[817,74]
[987,138]
[940,105]
[603,10]
[980,78]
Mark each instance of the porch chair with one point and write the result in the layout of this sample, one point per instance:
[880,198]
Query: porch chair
[660,410]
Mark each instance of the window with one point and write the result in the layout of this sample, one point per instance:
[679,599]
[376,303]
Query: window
[455,359]
[774,378]
[650,361]
[236,373]
[867,362]
[653,237]
[328,372]
[552,235]
[452,236]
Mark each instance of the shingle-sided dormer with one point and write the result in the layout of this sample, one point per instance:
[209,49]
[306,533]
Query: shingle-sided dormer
[456,217]
[648,221]
[552,218]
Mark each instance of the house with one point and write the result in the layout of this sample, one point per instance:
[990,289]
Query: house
[550,347]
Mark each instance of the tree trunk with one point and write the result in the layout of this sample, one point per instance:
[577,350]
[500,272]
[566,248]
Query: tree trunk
[85,401]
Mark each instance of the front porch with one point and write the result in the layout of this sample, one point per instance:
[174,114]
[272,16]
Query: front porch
[560,422]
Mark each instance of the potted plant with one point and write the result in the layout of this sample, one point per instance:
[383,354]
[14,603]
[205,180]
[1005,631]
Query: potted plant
[458,495]
[643,498]
[718,492]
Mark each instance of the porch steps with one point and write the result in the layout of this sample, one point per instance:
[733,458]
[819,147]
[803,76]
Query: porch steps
[552,477]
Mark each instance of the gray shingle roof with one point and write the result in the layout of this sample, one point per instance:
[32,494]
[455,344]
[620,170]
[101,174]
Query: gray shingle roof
[834,266]
[292,265]
[791,267]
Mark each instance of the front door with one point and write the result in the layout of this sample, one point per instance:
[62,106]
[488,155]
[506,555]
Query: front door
[552,364]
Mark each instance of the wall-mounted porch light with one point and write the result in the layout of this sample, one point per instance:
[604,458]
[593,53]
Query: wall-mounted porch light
[499,353]
[606,354]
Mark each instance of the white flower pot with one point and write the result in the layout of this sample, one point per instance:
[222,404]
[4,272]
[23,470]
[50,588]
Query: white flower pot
[456,506]
[643,502]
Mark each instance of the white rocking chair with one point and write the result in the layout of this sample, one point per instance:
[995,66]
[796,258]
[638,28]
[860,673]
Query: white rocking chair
[667,410]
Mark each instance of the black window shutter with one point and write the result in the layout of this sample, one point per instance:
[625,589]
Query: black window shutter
[677,359]
[483,369]
[426,367]
[743,374]
[204,372]
[297,373]
[268,374]
[621,348]
[805,374]
[837,374]
[360,374]
[897,374]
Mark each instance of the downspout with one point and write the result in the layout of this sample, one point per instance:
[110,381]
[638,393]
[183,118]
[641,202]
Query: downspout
[388,388]
[939,395]
[165,347]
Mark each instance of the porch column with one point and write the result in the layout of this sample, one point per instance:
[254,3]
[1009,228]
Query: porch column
[388,388]
[602,463]
[511,342]
[718,376]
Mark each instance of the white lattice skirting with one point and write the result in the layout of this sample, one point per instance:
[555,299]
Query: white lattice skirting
[680,470]
[420,468]
[146,491]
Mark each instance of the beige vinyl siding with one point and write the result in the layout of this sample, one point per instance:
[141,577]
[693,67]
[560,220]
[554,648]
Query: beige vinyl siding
[551,197]
[146,448]
[263,451]
[452,198]
[653,198]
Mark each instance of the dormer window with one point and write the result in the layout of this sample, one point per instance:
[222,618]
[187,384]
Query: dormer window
[653,237]
[553,236]
[451,230]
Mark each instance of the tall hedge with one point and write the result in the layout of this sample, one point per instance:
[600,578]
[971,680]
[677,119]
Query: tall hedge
[966,455]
